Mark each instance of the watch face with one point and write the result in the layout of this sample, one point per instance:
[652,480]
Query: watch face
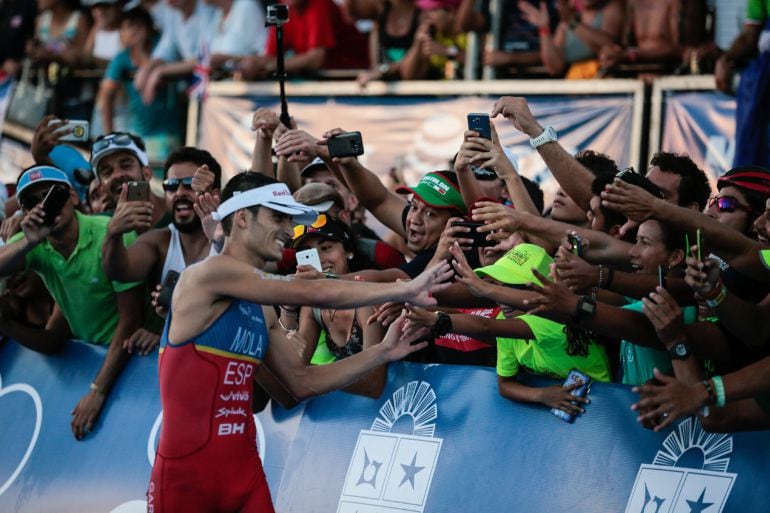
[681,349]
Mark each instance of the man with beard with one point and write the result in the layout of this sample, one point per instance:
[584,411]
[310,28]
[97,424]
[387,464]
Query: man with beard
[118,158]
[160,250]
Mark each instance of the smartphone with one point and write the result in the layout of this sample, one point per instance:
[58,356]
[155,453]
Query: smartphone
[346,144]
[662,276]
[54,202]
[138,191]
[479,238]
[167,289]
[432,31]
[573,377]
[628,170]
[309,257]
[576,242]
[78,130]
[479,122]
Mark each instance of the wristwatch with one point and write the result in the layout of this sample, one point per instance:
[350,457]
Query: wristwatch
[586,308]
[443,325]
[548,135]
[679,351]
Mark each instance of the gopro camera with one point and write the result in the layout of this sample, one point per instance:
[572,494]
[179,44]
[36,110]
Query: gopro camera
[277,14]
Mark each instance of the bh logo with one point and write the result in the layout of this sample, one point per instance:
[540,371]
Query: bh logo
[670,486]
[392,472]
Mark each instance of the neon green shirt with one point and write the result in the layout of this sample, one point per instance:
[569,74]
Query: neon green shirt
[547,353]
[757,11]
[78,284]
[638,361]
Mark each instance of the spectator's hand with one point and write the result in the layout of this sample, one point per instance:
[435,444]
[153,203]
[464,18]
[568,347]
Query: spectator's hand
[574,272]
[151,86]
[450,236]
[143,341]
[537,16]
[517,111]
[203,179]
[398,341]
[161,311]
[282,129]
[367,76]
[204,206]
[611,55]
[465,275]
[420,317]
[498,219]
[32,225]
[631,200]
[492,156]
[561,398]
[665,315]
[45,138]
[324,141]
[129,215]
[299,145]
[667,400]
[430,47]
[566,10]
[10,227]
[86,413]
[702,277]
[253,67]
[386,313]
[264,122]
[555,299]
[723,74]
[308,272]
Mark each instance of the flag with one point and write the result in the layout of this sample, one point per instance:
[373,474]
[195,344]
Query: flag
[200,82]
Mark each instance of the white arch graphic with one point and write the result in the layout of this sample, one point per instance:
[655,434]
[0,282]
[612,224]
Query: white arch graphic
[27,389]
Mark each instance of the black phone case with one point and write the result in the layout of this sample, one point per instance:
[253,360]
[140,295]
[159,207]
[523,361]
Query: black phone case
[54,203]
[479,239]
[167,289]
[346,144]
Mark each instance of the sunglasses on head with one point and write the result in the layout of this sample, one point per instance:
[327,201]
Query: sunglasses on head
[727,204]
[30,201]
[301,229]
[111,140]
[172,184]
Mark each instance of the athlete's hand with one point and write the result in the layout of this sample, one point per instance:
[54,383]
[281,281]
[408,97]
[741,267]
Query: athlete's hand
[86,412]
[398,341]
[420,290]
[143,341]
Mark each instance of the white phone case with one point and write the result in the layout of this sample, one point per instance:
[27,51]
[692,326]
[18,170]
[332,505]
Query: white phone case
[309,257]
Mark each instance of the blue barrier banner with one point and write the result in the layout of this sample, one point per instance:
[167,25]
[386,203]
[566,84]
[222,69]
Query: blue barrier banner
[701,124]
[416,134]
[440,439]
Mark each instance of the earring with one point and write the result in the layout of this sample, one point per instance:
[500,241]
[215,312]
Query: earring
[350,256]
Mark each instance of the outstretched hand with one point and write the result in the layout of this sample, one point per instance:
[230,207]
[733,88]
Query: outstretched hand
[665,315]
[498,219]
[399,340]
[667,399]
[631,200]
[517,110]
[464,273]
[420,290]
[555,299]
[205,205]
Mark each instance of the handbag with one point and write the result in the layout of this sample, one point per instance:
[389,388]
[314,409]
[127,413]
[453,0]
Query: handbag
[30,102]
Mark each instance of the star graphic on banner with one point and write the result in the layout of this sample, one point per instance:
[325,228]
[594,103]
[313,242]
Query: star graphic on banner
[410,471]
[369,463]
[699,505]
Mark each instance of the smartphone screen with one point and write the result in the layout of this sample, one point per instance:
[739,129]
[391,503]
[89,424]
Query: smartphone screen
[309,257]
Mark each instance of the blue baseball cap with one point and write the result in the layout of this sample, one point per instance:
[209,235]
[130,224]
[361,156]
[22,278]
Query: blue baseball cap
[40,174]
[71,161]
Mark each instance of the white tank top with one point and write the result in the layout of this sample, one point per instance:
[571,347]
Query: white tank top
[174,256]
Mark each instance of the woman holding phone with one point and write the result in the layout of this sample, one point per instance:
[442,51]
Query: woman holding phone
[340,333]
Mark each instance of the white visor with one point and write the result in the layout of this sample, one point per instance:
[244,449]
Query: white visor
[275,196]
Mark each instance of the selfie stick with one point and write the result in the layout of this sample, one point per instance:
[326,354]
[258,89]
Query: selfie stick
[280,71]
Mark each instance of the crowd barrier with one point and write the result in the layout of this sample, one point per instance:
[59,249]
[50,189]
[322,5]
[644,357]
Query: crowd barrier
[440,439]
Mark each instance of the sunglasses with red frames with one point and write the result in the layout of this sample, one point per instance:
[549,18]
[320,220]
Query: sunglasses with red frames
[727,204]
[172,184]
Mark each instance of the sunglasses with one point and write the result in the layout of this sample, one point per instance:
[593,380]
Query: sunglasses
[172,184]
[111,140]
[727,204]
[30,201]
[301,229]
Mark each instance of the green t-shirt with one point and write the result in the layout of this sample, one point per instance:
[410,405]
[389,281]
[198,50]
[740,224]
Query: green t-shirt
[638,361]
[547,353]
[757,11]
[78,284]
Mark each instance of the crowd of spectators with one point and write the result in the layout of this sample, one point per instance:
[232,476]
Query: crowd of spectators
[126,65]
[651,280]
